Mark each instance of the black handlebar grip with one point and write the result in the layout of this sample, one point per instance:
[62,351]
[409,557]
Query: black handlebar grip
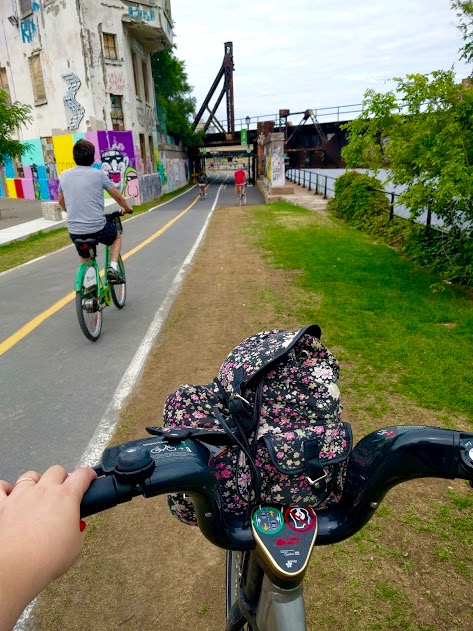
[104,493]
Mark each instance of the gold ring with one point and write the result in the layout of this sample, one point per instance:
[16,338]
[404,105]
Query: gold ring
[24,480]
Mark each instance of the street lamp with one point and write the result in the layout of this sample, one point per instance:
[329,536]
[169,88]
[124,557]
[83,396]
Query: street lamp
[247,121]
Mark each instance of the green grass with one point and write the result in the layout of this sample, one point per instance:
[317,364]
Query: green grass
[379,309]
[19,252]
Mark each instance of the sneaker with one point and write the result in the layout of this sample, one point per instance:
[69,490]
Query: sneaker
[114,276]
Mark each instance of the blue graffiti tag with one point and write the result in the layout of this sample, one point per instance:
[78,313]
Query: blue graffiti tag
[35,6]
[28,31]
[144,14]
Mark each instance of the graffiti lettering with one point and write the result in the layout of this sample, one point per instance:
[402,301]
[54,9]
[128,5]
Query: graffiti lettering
[70,100]
[28,31]
[150,187]
[116,83]
[35,6]
[146,116]
[142,14]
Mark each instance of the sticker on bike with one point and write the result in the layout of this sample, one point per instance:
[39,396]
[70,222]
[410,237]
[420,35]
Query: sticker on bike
[300,519]
[268,520]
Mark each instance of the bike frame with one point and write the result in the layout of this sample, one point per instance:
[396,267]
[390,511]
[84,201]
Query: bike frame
[103,287]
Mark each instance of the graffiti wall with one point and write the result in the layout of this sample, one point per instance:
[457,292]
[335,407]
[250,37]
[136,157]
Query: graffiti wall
[273,160]
[36,176]
[173,168]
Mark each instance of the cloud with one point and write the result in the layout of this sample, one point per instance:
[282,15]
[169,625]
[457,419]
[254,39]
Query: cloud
[312,54]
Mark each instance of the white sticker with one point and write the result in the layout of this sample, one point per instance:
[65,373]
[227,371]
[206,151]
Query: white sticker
[90,277]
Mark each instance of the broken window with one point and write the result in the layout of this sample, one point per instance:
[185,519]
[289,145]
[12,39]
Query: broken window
[110,46]
[118,120]
[144,68]
[37,80]
[4,84]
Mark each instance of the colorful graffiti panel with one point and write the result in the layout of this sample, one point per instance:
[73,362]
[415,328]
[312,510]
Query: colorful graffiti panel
[44,159]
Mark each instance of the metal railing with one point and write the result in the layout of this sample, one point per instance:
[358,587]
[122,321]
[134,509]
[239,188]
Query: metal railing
[319,183]
[324,185]
[312,181]
[323,114]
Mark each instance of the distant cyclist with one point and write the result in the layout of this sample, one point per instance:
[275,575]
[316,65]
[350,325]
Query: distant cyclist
[81,197]
[202,181]
[240,181]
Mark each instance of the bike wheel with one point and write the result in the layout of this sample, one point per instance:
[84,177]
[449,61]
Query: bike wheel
[234,566]
[118,292]
[88,310]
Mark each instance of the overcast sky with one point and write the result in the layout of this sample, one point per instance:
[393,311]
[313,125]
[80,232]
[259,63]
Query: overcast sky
[300,54]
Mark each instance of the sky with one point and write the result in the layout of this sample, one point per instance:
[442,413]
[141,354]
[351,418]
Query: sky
[312,54]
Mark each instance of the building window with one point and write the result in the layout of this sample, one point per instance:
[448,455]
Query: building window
[135,74]
[110,46]
[4,84]
[143,153]
[118,121]
[144,68]
[151,153]
[37,80]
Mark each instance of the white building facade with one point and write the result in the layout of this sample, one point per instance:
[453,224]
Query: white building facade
[84,66]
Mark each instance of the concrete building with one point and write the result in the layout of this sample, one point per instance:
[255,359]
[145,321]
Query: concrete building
[84,65]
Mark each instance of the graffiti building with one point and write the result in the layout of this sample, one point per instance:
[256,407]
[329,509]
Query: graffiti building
[84,67]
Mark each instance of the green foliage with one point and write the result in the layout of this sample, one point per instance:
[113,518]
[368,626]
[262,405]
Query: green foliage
[464,11]
[173,94]
[358,198]
[423,133]
[11,118]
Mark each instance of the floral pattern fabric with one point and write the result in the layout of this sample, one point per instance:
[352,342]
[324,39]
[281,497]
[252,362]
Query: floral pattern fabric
[302,444]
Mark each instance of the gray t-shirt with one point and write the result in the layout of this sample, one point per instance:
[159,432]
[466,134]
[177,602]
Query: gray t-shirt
[83,188]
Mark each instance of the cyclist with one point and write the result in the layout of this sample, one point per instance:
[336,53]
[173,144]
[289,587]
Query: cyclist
[40,534]
[202,181]
[81,197]
[240,181]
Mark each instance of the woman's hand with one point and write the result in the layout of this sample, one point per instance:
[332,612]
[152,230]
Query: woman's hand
[40,534]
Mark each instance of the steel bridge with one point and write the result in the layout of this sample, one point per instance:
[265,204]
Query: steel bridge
[313,138]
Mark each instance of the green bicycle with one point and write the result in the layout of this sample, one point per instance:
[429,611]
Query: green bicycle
[93,293]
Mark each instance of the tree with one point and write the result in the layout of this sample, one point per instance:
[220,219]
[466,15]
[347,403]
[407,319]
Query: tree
[464,11]
[11,118]
[422,132]
[173,94]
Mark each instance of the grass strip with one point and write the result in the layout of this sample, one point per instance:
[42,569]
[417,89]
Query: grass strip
[379,308]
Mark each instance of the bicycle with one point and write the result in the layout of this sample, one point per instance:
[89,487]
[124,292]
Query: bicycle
[241,195]
[93,293]
[202,192]
[267,556]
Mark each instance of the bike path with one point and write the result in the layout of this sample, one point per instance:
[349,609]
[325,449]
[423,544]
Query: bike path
[55,385]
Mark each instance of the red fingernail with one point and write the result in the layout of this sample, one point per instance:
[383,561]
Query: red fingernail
[82,525]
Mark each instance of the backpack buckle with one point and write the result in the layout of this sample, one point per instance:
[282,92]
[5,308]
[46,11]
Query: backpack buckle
[317,480]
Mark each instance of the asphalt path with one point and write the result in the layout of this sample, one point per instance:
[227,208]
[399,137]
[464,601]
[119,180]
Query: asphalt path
[60,394]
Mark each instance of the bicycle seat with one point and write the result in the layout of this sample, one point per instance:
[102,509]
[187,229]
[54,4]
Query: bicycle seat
[90,243]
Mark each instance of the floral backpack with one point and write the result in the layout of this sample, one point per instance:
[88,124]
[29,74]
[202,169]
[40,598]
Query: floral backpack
[276,404]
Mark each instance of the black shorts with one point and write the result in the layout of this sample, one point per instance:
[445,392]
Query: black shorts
[107,235]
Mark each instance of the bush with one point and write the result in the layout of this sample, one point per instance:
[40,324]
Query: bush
[356,199]
[450,254]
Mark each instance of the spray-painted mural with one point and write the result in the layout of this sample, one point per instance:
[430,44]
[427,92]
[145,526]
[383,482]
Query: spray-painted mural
[44,159]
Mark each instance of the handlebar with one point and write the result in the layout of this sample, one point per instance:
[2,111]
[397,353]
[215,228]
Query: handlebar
[378,462]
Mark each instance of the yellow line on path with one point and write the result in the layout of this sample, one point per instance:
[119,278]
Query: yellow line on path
[39,319]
